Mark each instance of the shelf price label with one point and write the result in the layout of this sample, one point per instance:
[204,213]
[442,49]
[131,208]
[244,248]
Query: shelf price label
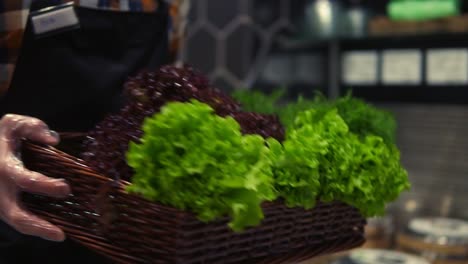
[360,68]
[447,66]
[402,67]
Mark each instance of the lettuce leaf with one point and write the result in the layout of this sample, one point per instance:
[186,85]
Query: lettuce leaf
[364,171]
[362,118]
[194,160]
[299,167]
[375,179]
[259,102]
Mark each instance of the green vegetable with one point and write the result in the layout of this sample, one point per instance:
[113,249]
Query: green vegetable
[341,150]
[298,170]
[288,112]
[194,160]
[256,101]
[376,179]
[361,171]
[362,118]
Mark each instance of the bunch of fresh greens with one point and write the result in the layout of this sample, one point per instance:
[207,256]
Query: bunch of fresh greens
[299,164]
[362,118]
[258,102]
[289,111]
[195,160]
[192,159]
[361,171]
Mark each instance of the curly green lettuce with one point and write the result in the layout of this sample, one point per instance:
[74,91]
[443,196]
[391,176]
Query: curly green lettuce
[257,101]
[362,118]
[192,159]
[364,172]
[375,179]
[299,167]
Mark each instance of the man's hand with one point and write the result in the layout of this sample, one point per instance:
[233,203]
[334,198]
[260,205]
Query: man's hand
[14,178]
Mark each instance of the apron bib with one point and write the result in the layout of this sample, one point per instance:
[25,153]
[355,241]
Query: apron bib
[71,80]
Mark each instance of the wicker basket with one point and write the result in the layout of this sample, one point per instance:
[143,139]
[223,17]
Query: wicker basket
[129,229]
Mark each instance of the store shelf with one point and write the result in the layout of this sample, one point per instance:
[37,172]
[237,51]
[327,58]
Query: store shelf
[285,44]
[378,42]
[334,49]
[411,94]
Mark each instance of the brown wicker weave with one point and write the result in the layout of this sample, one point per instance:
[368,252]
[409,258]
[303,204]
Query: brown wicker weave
[130,229]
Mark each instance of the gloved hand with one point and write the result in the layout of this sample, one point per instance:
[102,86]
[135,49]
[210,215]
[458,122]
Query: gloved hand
[14,178]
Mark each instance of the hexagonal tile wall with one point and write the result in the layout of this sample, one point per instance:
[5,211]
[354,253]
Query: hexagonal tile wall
[229,40]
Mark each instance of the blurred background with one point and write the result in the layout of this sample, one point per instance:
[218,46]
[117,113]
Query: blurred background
[406,56]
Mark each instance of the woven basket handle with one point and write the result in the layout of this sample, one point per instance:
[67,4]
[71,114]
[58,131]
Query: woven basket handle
[70,148]
[102,204]
[72,135]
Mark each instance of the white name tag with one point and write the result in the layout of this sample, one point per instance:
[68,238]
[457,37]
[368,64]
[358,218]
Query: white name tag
[54,19]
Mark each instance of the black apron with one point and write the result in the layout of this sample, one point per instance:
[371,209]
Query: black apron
[71,80]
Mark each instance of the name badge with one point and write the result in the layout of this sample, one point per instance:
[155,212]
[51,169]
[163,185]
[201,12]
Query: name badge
[54,20]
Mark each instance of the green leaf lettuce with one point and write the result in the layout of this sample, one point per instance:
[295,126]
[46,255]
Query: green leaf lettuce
[194,160]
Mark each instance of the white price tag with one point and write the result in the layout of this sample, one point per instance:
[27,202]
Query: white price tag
[447,66]
[54,19]
[360,67]
[400,67]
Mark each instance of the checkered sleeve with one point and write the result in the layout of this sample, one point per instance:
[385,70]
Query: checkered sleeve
[13,16]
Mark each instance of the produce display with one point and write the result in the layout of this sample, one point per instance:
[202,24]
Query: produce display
[358,161]
[146,93]
[183,143]
[322,154]
[362,119]
[192,159]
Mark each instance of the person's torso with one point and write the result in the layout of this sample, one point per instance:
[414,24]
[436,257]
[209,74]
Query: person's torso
[71,80]
[14,14]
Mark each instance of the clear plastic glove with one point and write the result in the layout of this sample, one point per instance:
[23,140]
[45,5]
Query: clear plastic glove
[14,178]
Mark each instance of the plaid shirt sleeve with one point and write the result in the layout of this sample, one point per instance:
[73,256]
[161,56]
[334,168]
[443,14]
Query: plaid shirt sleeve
[14,15]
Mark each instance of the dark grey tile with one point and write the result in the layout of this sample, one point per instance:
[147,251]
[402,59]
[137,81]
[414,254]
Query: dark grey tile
[201,51]
[266,12]
[239,50]
[221,12]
